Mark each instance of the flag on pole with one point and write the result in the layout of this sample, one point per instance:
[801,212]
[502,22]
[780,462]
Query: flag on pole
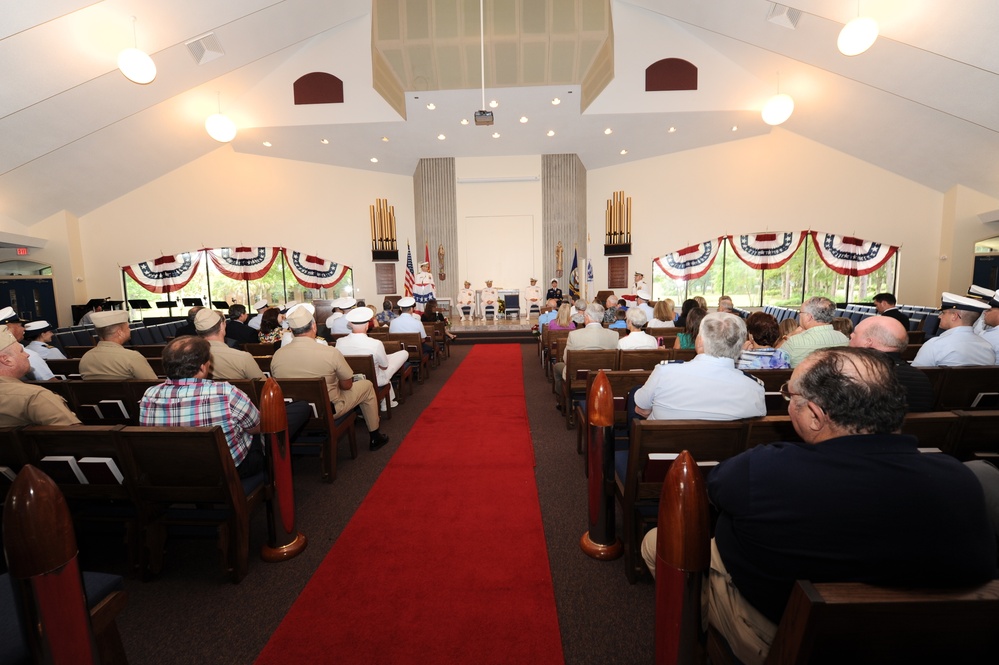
[426,253]
[410,275]
[574,277]
[589,271]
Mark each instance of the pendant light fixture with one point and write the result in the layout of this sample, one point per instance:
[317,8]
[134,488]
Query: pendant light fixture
[219,126]
[778,108]
[136,65]
[858,35]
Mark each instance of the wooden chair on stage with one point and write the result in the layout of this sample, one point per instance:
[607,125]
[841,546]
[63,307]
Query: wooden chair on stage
[323,430]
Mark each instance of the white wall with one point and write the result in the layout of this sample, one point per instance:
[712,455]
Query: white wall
[230,199]
[776,182]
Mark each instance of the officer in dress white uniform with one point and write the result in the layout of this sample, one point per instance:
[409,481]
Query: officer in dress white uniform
[987,325]
[341,326]
[639,283]
[532,298]
[424,289]
[642,298]
[259,307]
[357,343]
[39,334]
[466,301]
[958,345]
[490,300]
[407,322]
[39,368]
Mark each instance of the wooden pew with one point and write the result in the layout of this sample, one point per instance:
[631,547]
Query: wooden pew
[189,465]
[103,402]
[772,380]
[404,376]
[65,368]
[578,363]
[978,437]
[417,356]
[322,430]
[969,388]
[366,365]
[643,358]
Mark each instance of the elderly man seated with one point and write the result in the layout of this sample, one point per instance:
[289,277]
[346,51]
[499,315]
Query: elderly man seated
[637,338]
[709,387]
[23,403]
[814,331]
[855,502]
[593,336]
[357,343]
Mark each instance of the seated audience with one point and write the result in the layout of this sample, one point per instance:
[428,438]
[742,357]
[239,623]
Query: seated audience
[228,364]
[431,315]
[236,328]
[958,345]
[592,336]
[843,325]
[663,315]
[788,327]
[816,331]
[340,325]
[725,304]
[620,319]
[689,304]
[563,320]
[259,307]
[270,326]
[189,398]
[886,334]
[383,317]
[884,303]
[759,351]
[687,338]
[701,302]
[547,317]
[610,309]
[643,298]
[637,338]
[357,343]
[110,360]
[39,334]
[989,324]
[855,502]
[188,327]
[22,403]
[304,358]
[579,313]
[39,368]
[709,387]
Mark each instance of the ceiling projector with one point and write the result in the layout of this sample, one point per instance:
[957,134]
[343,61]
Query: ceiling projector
[484,118]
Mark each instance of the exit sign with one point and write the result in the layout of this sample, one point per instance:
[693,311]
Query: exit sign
[22,251]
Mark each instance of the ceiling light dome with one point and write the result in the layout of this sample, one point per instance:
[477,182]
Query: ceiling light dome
[857,36]
[220,128]
[778,109]
[137,66]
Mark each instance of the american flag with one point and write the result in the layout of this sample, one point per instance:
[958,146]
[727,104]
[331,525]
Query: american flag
[410,275]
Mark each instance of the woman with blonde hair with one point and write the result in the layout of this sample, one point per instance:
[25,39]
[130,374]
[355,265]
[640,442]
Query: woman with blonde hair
[662,315]
[564,319]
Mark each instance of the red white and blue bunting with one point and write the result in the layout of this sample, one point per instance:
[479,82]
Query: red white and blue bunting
[243,262]
[165,274]
[690,262]
[766,251]
[851,256]
[313,272]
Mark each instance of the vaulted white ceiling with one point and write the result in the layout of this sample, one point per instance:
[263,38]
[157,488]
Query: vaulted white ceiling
[75,134]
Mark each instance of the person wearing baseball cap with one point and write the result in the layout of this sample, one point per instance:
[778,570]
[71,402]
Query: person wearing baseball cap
[38,334]
[303,359]
[958,345]
[110,360]
[357,343]
[39,368]
[23,403]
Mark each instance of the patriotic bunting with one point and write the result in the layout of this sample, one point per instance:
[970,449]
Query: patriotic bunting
[313,272]
[691,262]
[165,274]
[851,256]
[766,251]
[243,262]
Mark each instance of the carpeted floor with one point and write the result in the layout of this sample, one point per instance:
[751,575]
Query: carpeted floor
[190,613]
[445,560]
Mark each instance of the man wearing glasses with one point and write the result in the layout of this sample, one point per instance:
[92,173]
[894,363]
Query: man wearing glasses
[958,345]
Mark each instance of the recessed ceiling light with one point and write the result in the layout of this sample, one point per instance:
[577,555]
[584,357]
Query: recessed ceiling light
[624,152]
[672,130]
[441,137]
[385,139]
[464,121]
[267,144]
[608,131]
[556,101]
[493,104]
[374,160]
[551,132]
[324,141]
[735,128]
[431,106]
[523,119]
[496,135]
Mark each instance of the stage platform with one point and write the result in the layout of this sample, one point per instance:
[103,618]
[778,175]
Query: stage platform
[497,331]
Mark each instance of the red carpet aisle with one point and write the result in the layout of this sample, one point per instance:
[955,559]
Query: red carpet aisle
[445,561]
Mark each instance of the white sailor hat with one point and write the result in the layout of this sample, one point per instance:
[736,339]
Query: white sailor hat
[555,280]
[290,305]
[206,319]
[333,317]
[988,295]
[259,305]
[105,319]
[37,327]
[6,338]
[534,279]
[300,315]
[407,302]
[954,301]
[639,273]
[359,315]
[8,315]
[347,302]
[644,295]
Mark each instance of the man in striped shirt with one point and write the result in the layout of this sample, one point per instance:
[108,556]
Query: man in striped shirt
[188,398]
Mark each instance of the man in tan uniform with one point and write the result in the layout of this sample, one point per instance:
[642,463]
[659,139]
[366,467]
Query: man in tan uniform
[227,363]
[109,360]
[303,358]
[22,403]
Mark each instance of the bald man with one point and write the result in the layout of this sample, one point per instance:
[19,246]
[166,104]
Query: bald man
[886,334]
